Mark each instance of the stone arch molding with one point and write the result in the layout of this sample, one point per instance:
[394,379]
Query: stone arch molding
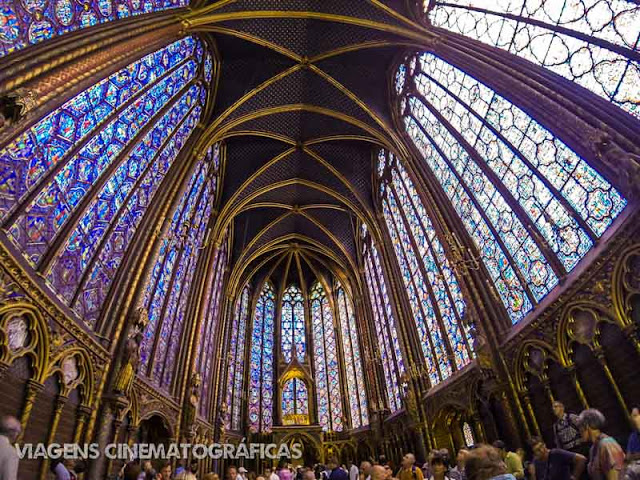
[24,332]
[74,369]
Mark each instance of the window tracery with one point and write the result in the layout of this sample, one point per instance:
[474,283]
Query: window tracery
[435,297]
[293,330]
[593,43]
[84,176]
[235,360]
[261,362]
[327,368]
[356,390]
[169,282]
[384,321]
[30,22]
[533,207]
[205,350]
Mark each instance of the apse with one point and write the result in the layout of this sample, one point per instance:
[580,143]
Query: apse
[366,228]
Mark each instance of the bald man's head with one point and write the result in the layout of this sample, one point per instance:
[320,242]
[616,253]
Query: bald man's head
[378,472]
[10,427]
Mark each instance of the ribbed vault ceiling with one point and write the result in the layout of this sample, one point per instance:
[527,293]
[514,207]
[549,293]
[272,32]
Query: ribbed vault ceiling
[302,99]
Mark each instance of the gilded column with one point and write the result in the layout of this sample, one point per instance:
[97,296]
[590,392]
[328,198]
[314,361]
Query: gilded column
[82,415]
[526,399]
[61,400]
[33,388]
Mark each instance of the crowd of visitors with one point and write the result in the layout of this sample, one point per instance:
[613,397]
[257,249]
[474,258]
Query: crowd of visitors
[581,451]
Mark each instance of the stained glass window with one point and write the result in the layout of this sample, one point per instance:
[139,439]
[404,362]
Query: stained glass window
[81,179]
[593,43]
[169,282]
[356,389]
[467,433]
[434,294]
[205,353]
[533,207]
[384,321]
[327,368]
[293,332]
[261,362]
[30,22]
[235,360]
[295,400]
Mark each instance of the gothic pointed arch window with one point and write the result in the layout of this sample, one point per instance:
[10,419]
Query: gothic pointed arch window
[356,390]
[432,288]
[327,367]
[169,282]
[77,183]
[292,325]
[385,325]
[206,344]
[533,207]
[261,362]
[593,43]
[29,23]
[295,402]
[236,360]
[467,434]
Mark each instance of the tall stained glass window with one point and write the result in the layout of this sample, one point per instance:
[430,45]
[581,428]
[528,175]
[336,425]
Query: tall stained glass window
[26,23]
[295,402]
[205,352]
[356,389]
[293,331]
[434,294]
[261,362]
[327,368]
[235,360]
[384,321]
[593,43]
[75,185]
[533,207]
[168,284]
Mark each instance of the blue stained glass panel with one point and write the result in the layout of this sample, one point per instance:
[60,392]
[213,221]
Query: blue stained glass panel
[27,23]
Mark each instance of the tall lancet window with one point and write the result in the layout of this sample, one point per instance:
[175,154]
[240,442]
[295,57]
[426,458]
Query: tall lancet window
[384,321]
[593,43]
[75,185]
[327,368]
[169,282]
[261,374]
[293,331]
[29,23]
[295,402]
[434,294]
[352,362]
[533,207]
[236,361]
[205,352]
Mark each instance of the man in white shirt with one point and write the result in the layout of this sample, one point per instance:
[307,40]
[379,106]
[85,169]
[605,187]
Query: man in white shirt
[10,428]
[270,474]
[354,471]
[242,473]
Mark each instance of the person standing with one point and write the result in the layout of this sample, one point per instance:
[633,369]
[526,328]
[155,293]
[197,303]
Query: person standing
[555,464]
[566,431]
[10,429]
[633,444]
[270,474]
[354,471]
[334,470]
[458,472]
[408,469]
[365,469]
[606,457]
